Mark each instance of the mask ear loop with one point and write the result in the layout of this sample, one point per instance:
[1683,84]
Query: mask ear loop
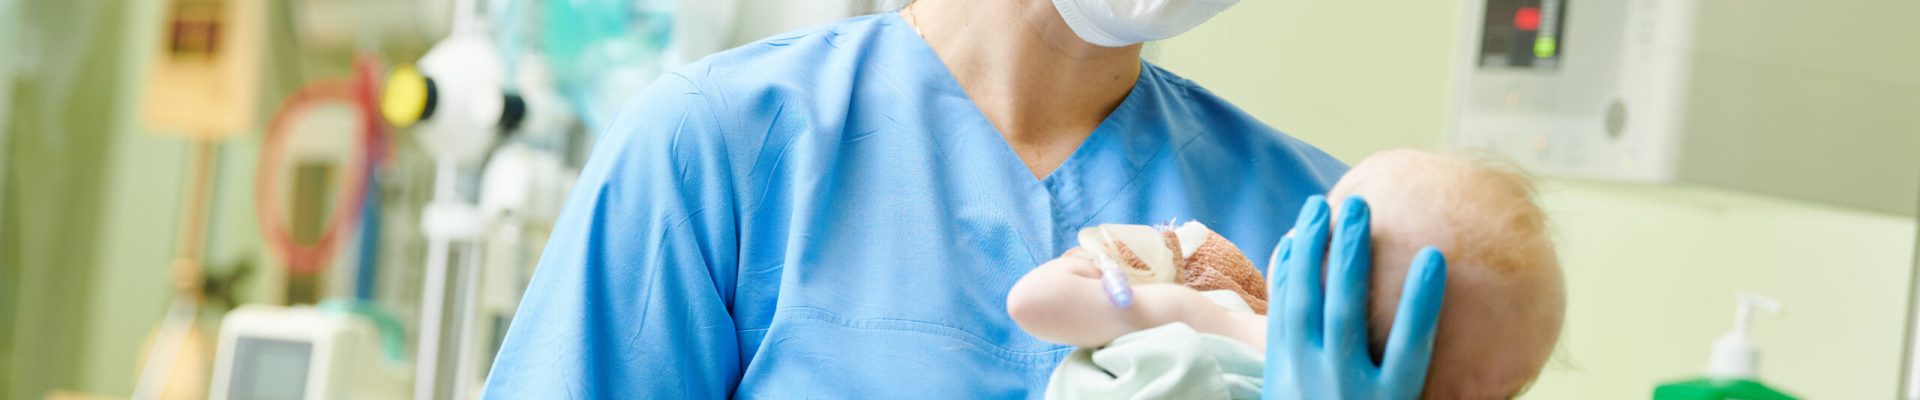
[1112,278]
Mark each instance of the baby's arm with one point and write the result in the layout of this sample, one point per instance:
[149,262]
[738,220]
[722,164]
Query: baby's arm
[1062,302]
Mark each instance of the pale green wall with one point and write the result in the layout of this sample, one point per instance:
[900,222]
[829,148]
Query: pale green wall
[1651,272]
[55,176]
[1650,269]
[1843,84]
[93,200]
[140,220]
[1352,77]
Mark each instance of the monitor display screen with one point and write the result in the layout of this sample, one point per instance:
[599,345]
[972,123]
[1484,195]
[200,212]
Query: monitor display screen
[270,369]
[1523,34]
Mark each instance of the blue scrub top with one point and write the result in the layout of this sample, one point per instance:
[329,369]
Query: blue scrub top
[825,214]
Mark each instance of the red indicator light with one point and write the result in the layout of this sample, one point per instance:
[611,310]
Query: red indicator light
[1527,19]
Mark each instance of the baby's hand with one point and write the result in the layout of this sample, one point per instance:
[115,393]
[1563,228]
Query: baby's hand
[1063,301]
[1045,288]
[1076,261]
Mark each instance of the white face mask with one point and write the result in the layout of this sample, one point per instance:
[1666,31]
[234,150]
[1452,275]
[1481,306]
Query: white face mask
[1121,23]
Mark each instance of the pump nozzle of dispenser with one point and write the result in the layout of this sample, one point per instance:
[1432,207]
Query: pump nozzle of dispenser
[1734,355]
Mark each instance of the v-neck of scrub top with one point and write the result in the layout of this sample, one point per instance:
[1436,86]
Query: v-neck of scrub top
[1074,192]
[819,215]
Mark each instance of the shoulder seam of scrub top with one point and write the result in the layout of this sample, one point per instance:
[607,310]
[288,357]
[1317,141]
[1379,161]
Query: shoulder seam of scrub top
[1299,149]
[1184,97]
[719,101]
[728,289]
[712,112]
[1182,137]
[707,107]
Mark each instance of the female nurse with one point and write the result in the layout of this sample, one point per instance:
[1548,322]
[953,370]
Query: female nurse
[840,212]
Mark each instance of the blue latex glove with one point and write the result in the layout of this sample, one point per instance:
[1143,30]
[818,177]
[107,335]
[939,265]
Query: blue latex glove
[1317,342]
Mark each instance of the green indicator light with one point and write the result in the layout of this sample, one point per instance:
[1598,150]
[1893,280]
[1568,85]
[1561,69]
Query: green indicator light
[1545,47]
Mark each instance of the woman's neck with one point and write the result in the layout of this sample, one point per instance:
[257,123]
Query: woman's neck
[1041,86]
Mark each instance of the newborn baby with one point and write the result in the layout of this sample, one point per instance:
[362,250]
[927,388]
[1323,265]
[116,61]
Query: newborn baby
[1504,301]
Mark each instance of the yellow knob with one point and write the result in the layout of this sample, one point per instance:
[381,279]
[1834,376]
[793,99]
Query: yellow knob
[408,96]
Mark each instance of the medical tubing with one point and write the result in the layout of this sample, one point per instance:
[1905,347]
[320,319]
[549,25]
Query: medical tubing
[1111,277]
[367,272]
[368,260]
[1115,283]
[313,257]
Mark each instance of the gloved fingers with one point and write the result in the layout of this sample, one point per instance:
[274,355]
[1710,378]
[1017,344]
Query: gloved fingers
[1276,268]
[1410,343]
[1278,336]
[1305,298]
[1349,276]
[1277,331]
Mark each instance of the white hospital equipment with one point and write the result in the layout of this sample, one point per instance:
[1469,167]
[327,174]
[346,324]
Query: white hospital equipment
[459,105]
[1721,93]
[1734,354]
[457,101]
[305,353]
[521,192]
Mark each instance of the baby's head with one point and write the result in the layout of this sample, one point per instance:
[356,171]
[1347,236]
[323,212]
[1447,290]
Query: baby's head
[1504,301]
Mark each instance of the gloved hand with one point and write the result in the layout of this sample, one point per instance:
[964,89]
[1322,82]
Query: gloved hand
[1317,342]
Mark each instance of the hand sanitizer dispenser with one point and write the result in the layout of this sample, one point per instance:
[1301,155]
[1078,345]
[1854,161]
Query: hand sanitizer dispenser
[1733,367]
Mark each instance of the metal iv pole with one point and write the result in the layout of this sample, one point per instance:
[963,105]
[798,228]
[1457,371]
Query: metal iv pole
[1910,356]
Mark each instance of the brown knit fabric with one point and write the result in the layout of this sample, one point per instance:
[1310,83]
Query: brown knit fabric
[1132,259]
[1216,265]
[1173,246]
[1219,265]
[1129,257]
